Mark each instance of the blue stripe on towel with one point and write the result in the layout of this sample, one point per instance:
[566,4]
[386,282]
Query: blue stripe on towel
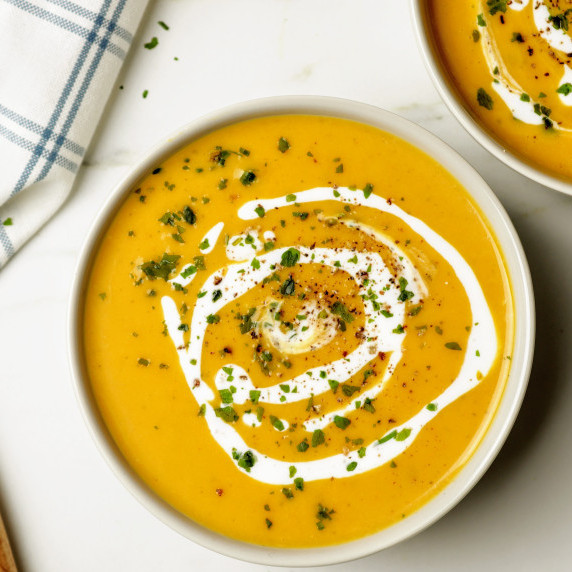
[63,98]
[6,242]
[33,148]
[67,24]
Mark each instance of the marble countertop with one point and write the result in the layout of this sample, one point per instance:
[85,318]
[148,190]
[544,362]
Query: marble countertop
[64,509]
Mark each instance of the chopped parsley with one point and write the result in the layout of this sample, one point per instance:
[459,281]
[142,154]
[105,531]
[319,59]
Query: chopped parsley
[404,294]
[453,346]
[303,446]
[247,178]
[341,422]
[484,99]
[403,434]
[8,222]
[259,210]
[283,145]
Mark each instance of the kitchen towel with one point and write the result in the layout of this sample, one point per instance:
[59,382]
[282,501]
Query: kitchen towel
[59,60]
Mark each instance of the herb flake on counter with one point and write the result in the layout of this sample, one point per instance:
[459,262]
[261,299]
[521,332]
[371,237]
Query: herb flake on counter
[341,422]
[565,89]
[387,437]
[163,25]
[246,461]
[367,190]
[8,222]
[496,6]
[403,434]
[303,446]
[341,310]
[151,44]
[277,423]
[318,438]
[290,257]
[247,178]
[145,93]
[227,414]
[161,269]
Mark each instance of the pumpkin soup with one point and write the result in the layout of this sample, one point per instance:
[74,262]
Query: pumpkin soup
[511,62]
[297,329]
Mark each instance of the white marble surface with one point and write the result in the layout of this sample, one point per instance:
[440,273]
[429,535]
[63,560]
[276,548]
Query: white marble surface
[64,509]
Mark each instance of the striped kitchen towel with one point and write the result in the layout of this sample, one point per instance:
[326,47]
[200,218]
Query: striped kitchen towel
[59,60]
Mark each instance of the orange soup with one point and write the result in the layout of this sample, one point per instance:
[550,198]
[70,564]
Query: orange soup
[511,63]
[297,329]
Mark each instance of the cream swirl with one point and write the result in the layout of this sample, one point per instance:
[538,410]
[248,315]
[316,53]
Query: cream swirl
[382,334]
[522,106]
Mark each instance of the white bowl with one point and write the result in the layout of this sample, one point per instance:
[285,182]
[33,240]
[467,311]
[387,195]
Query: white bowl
[459,109]
[509,405]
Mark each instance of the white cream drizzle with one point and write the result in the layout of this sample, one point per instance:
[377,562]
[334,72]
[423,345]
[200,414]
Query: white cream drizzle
[504,83]
[239,278]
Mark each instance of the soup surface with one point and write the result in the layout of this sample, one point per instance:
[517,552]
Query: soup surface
[511,62]
[298,329]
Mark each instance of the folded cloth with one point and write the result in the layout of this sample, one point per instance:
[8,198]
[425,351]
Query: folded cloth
[59,60]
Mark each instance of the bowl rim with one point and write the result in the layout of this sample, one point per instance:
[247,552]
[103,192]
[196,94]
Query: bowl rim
[460,112]
[510,401]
